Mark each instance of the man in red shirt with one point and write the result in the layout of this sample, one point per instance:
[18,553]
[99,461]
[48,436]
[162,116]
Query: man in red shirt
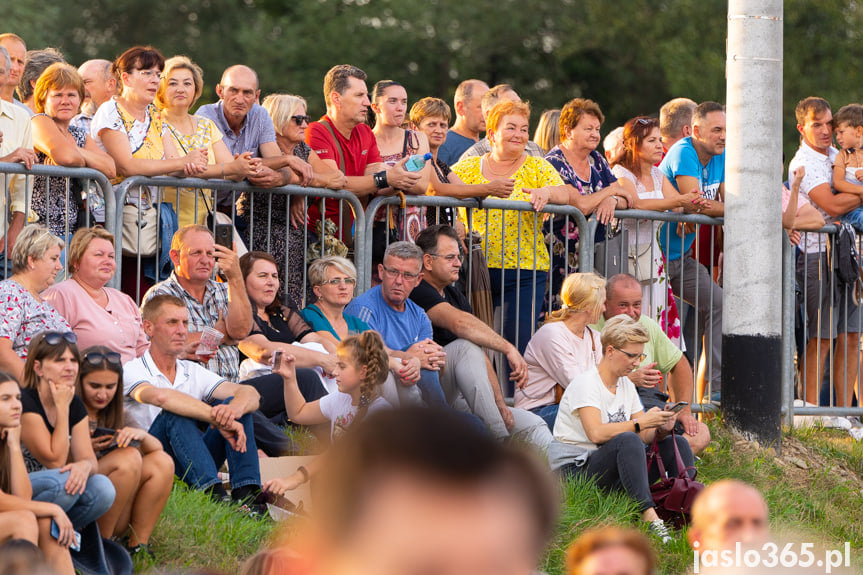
[345,142]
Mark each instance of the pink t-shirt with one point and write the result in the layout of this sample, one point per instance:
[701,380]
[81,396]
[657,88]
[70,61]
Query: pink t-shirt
[555,355]
[786,197]
[117,326]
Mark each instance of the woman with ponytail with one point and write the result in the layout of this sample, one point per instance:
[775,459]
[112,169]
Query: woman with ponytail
[363,365]
[564,346]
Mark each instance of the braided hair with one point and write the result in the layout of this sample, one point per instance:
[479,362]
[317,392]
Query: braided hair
[367,351]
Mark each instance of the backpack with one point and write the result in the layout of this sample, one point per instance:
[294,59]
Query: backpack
[846,260]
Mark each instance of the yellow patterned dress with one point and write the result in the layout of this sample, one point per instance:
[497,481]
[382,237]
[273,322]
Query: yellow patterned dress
[184,199]
[500,231]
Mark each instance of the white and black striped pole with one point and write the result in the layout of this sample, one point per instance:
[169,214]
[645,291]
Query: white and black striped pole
[752,294]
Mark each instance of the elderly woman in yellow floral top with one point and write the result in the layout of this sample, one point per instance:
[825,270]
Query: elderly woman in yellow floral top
[179,88]
[514,266]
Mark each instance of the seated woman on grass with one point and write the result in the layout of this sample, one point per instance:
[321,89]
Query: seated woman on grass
[361,370]
[142,489]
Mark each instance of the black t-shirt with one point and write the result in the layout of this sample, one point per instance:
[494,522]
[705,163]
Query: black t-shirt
[31,403]
[285,326]
[426,296]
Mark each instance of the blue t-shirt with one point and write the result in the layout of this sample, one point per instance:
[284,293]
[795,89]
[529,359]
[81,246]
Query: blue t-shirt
[682,160]
[316,319]
[400,329]
[454,146]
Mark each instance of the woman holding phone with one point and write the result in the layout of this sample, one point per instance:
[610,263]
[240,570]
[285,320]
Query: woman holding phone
[142,489]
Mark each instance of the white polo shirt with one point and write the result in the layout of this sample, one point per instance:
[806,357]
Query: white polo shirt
[15,125]
[819,170]
[192,379]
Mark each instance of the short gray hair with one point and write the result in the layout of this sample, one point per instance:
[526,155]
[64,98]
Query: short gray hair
[621,330]
[34,241]
[404,251]
[36,62]
[318,268]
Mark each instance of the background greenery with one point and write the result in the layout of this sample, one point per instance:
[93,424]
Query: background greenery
[628,55]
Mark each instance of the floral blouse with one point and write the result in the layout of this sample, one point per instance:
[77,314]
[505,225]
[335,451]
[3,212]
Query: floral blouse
[24,317]
[507,252]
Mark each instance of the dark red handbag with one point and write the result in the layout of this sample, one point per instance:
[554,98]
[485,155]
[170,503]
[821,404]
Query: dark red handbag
[673,496]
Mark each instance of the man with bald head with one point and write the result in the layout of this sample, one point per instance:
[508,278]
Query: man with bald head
[500,93]
[248,128]
[469,121]
[728,512]
[100,85]
[17,51]
[623,295]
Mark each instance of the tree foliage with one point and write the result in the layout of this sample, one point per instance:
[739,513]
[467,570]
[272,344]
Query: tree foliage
[628,55]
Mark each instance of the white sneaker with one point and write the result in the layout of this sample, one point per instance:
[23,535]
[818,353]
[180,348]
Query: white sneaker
[660,529]
[837,422]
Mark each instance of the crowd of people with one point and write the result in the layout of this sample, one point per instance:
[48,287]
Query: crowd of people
[226,350]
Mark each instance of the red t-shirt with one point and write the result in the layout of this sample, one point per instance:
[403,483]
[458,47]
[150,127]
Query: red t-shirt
[358,151]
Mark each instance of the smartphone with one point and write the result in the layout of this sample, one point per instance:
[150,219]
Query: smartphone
[677,407]
[55,533]
[277,358]
[225,235]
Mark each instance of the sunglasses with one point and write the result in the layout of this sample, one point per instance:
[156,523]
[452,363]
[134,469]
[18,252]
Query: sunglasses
[645,121]
[300,119]
[97,357]
[55,337]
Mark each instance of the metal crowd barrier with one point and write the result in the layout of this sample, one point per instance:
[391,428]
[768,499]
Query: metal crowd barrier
[168,189]
[633,234]
[94,186]
[836,361]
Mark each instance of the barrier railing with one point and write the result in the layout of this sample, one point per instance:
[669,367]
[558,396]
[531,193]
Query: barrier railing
[257,200]
[831,363]
[641,247]
[92,183]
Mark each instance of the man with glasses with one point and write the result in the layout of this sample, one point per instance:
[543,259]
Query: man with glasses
[468,378]
[248,128]
[404,326]
[661,356]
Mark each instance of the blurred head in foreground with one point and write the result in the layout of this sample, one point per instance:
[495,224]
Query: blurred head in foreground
[421,491]
[611,551]
[728,512]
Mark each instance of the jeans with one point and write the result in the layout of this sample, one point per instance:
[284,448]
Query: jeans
[621,462]
[199,454]
[855,218]
[49,486]
[548,413]
[429,386]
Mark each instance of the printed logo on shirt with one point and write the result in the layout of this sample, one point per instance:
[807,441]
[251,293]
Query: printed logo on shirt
[365,152]
[617,416]
[322,151]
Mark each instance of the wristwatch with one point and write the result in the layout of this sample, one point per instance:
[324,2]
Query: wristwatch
[381,180]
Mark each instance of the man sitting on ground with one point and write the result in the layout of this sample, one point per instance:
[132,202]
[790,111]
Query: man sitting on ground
[468,376]
[623,296]
[168,396]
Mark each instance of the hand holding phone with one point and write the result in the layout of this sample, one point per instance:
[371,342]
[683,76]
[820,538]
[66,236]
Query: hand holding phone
[677,407]
[75,545]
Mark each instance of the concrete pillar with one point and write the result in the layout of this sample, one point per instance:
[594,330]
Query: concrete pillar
[752,320]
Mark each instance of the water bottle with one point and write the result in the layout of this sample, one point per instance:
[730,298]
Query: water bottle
[416,162]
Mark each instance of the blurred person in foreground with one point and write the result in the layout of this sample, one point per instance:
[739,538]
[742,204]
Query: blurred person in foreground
[486,507]
[611,550]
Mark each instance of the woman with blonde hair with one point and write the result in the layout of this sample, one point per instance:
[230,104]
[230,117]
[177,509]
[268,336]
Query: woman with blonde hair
[602,430]
[564,346]
[547,134]
[180,87]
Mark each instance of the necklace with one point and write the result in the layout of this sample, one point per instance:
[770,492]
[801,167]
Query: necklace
[506,172]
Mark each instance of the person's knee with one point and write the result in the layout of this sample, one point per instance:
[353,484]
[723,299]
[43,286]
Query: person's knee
[127,462]
[158,463]
[50,486]
[699,441]
[99,494]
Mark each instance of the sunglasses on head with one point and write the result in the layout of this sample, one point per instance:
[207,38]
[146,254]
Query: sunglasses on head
[54,337]
[97,357]
[299,119]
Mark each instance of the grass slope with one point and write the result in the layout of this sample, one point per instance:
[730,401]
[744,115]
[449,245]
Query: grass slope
[814,490]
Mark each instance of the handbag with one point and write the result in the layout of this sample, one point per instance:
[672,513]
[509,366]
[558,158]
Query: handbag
[140,225]
[673,496]
[607,255]
[641,261]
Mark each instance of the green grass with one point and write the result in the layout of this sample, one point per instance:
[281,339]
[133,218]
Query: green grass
[814,504]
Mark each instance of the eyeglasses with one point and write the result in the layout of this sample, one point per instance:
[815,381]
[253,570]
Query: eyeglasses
[150,74]
[639,356]
[449,257]
[339,281]
[300,119]
[97,357]
[55,337]
[407,276]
